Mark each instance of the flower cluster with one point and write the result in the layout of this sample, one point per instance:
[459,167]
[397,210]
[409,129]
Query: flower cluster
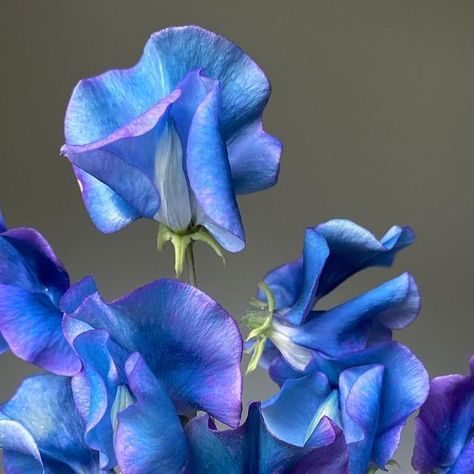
[137,385]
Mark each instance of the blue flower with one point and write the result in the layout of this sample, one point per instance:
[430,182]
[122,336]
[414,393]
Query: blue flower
[32,281]
[283,322]
[190,344]
[174,138]
[444,438]
[370,394]
[150,439]
[41,431]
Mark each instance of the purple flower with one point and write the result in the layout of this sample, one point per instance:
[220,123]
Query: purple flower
[174,138]
[283,321]
[444,440]
[32,281]
[370,394]
[189,343]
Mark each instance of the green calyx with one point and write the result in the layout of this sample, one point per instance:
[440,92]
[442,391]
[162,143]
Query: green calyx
[392,462]
[259,321]
[182,241]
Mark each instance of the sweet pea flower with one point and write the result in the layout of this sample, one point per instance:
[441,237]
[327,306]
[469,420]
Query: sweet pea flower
[444,436]
[41,431]
[189,343]
[369,394]
[175,138]
[148,442]
[32,281]
[283,321]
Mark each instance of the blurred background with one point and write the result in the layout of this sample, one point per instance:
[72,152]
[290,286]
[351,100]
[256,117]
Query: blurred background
[373,100]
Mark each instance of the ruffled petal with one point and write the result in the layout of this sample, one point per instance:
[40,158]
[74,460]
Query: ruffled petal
[252,448]
[189,342]
[149,436]
[210,177]
[254,158]
[288,415]
[445,423]
[347,327]
[42,428]
[353,248]
[32,327]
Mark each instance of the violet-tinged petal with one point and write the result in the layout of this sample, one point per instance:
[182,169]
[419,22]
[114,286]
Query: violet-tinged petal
[189,342]
[445,423]
[149,437]
[347,327]
[210,177]
[353,248]
[43,430]
[31,325]
[254,158]
[252,448]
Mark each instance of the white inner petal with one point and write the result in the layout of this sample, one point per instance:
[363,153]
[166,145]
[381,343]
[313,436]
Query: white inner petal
[295,355]
[170,180]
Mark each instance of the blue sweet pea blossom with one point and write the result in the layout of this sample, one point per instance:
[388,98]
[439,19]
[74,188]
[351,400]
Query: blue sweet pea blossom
[150,439]
[32,281]
[174,138]
[190,344]
[369,394]
[42,432]
[283,321]
[444,437]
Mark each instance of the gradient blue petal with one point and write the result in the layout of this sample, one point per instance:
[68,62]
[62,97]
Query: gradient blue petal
[149,435]
[347,327]
[43,429]
[189,342]
[252,448]
[210,177]
[445,424]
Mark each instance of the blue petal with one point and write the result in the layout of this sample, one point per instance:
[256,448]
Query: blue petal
[3,226]
[210,177]
[31,325]
[189,342]
[252,448]
[353,248]
[43,421]
[445,421]
[149,435]
[289,413]
[465,461]
[361,390]
[347,327]
[28,261]
[254,158]
[100,105]
[71,300]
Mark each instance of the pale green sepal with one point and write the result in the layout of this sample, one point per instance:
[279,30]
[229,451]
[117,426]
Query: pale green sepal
[257,353]
[123,399]
[392,462]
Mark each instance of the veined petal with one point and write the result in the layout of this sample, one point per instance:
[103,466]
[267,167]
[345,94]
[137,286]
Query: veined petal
[189,342]
[209,175]
[31,325]
[347,327]
[149,435]
[445,422]
[45,423]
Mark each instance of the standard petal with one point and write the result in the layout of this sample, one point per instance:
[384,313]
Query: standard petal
[189,342]
[347,327]
[44,407]
[149,436]
[32,327]
[254,158]
[353,248]
[209,175]
[444,424]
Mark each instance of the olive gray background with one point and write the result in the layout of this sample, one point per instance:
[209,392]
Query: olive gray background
[374,102]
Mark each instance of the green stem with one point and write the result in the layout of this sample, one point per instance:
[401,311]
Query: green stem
[190,266]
